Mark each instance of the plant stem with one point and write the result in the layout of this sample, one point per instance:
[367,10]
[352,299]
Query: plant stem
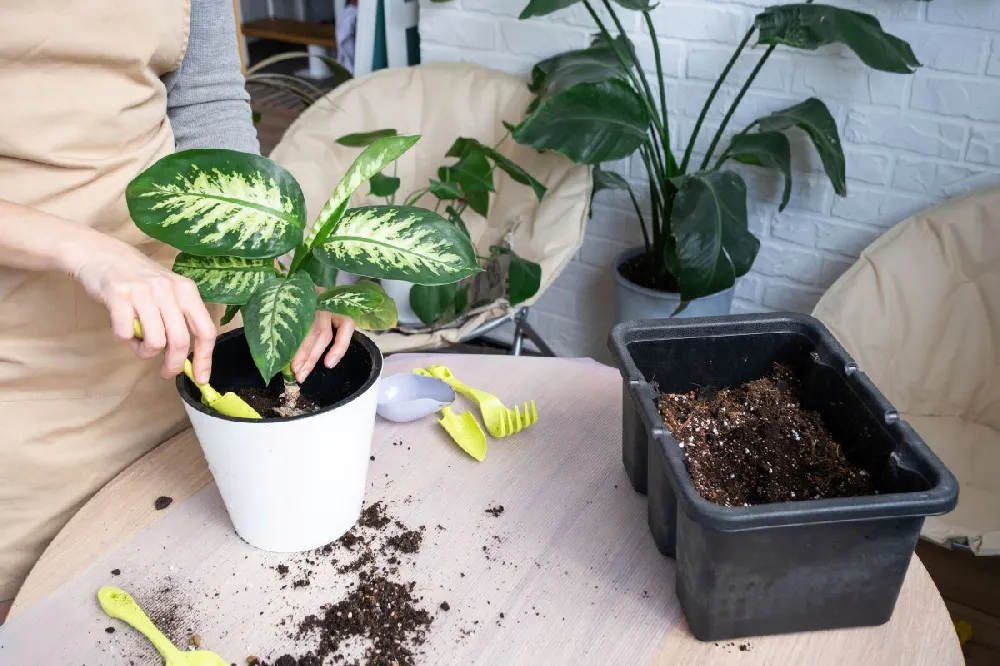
[711,98]
[412,199]
[736,103]
[288,375]
[672,163]
[654,198]
[647,99]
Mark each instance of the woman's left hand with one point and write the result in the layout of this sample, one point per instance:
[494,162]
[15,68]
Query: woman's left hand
[318,339]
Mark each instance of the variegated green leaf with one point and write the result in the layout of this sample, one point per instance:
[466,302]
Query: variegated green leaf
[219,203]
[230,314]
[399,243]
[372,160]
[227,280]
[276,320]
[364,302]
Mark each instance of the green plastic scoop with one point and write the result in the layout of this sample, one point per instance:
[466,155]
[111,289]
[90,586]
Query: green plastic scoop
[120,605]
[228,404]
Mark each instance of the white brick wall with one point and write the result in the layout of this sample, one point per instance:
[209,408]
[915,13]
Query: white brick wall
[910,140]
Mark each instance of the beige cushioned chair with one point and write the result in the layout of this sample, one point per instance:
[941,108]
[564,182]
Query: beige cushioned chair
[920,312]
[441,102]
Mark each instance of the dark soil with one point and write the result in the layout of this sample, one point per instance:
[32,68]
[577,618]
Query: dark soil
[407,542]
[379,613]
[495,511]
[116,572]
[647,271]
[754,444]
[267,401]
[374,516]
[379,609]
[162,503]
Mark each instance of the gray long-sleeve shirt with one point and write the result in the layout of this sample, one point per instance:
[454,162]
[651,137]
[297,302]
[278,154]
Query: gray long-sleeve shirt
[207,102]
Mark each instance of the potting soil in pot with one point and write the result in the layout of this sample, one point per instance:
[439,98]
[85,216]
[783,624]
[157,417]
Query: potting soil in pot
[754,444]
[347,377]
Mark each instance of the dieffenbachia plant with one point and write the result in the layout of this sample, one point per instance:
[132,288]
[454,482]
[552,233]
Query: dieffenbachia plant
[465,184]
[232,215]
[596,105]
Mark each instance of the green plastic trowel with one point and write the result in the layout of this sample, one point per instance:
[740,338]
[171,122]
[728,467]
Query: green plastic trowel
[228,404]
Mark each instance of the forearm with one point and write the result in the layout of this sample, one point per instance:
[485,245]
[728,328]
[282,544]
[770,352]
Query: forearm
[207,102]
[33,240]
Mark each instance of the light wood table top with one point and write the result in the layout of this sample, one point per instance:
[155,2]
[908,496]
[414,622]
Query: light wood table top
[571,520]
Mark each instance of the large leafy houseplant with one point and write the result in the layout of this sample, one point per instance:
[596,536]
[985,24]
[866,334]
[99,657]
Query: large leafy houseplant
[596,105]
[232,215]
[464,184]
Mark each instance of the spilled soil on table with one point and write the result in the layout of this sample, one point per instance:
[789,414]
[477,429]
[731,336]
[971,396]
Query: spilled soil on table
[380,612]
[755,444]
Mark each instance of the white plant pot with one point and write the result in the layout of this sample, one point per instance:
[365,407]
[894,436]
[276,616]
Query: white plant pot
[295,484]
[633,302]
[399,291]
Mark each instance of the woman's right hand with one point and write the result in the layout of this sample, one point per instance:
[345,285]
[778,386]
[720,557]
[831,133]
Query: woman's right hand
[169,307]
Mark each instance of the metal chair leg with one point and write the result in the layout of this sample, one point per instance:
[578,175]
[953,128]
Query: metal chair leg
[522,330]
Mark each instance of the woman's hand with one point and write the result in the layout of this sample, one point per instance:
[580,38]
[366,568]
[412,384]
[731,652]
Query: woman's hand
[169,307]
[318,339]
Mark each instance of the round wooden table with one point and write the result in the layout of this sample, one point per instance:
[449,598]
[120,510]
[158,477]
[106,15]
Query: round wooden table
[569,562]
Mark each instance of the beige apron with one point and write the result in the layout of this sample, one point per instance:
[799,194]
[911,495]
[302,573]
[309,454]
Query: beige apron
[83,112]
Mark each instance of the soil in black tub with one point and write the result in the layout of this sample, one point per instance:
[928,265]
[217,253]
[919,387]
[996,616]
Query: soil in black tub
[754,444]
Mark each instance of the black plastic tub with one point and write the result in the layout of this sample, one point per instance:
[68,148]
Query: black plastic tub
[776,568]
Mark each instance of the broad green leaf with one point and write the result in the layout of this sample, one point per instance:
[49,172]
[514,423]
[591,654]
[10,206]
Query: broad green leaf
[363,139]
[321,274]
[464,146]
[814,119]
[445,191]
[474,176]
[372,160]
[767,149]
[430,302]
[276,320]
[524,278]
[226,280]
[544,7]
[230,314]
[598,62]
[383,186]
[807,26]
[589,123]
[462,300]
[364,301]
[399,243]
[219,203]
[709,224]
[609,180]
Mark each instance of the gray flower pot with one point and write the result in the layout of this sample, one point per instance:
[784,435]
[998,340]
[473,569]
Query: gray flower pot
[633,302]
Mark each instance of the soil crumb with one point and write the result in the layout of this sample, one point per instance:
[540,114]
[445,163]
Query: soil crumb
[116,572]
[754,444]
[162,503]
[374,517]
[407,542]
[495,511]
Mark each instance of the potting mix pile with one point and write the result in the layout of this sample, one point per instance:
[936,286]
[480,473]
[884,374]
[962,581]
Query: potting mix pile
[754,444]
[380,616]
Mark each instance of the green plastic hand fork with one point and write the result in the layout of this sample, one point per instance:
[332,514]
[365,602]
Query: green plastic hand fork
[499,421]
[120,605]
